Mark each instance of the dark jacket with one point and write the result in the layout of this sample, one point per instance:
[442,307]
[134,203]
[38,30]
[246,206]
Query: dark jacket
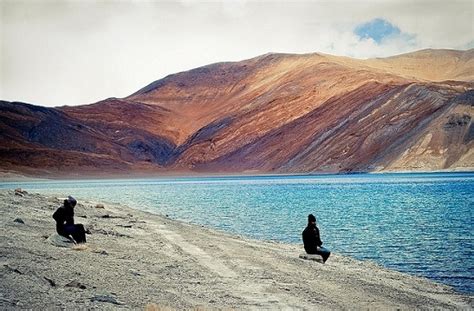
[64,216]
[311,239]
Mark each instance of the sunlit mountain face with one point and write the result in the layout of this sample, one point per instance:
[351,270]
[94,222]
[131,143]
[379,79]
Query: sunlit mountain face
[276,113]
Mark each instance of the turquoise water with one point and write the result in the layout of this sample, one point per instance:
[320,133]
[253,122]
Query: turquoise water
[415,223]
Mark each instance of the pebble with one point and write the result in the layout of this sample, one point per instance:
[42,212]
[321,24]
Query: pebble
[20,192]
[50,281]
[105,298]
[75,284]
[102,252]
[19,220]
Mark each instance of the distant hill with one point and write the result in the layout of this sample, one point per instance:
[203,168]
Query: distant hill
[276,113]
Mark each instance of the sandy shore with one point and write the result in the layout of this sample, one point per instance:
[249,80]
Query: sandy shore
[134,259]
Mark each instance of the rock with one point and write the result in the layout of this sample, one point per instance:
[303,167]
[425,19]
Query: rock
[106,298]
[101,252]
[20,192]
[13,269]
[60,241]
[75,284]
[51,282]
[314,257]
[99,206]
[19,220]
[11,302]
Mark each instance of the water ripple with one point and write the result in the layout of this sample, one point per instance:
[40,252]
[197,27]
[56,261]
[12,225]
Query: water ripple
[415,223]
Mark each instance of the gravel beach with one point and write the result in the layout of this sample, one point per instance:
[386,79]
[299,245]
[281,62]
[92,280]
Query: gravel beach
[138,260]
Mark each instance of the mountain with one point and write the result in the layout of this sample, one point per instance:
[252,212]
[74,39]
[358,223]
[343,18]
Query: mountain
[276,113]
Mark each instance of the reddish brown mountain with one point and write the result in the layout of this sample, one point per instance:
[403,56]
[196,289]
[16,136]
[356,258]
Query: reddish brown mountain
[277,113]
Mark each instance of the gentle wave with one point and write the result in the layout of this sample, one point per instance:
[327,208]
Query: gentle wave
[415,223]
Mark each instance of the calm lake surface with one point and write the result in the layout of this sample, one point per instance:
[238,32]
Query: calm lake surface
[415,223]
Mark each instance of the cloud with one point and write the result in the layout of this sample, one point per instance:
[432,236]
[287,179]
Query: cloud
[67,52]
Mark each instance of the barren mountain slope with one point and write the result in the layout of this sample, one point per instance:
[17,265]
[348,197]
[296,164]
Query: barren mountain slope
[272,113]
[285,116]
[425,65]
[281,86]
[41,141]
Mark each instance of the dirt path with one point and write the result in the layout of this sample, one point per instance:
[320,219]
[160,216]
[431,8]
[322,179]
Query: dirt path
[134,258]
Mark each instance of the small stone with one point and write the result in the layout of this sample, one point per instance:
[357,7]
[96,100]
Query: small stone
[314,257]
[11,302]
[20,192]
[135,273]
[51,282]
[99,206]
[101,252]
[13,269]
[75,284]
[60,241]
[19,220]
[105,298]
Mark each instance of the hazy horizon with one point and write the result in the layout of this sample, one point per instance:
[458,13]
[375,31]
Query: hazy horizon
[56,53]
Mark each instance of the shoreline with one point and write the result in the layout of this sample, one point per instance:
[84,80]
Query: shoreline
[9,177]
[135,258]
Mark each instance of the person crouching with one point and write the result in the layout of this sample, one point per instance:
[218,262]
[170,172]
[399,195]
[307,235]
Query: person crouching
[65,225]
[312,241]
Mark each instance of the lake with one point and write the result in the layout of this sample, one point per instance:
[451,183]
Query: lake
[419,223]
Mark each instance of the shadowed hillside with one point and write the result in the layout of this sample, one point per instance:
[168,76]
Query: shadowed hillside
[278,113]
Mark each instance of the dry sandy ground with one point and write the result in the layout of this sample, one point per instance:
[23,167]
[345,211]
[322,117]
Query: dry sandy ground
[134,259]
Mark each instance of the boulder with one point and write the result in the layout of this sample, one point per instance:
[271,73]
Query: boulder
[60,241]
[314,257]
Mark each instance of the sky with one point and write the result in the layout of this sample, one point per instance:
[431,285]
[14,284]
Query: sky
[56,53]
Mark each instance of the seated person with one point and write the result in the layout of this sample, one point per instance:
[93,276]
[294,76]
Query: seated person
[65,226]
[311,240]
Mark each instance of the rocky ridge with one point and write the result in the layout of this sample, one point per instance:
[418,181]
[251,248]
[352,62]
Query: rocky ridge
[276,113]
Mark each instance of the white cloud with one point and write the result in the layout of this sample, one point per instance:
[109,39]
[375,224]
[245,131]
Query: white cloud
[68,52]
